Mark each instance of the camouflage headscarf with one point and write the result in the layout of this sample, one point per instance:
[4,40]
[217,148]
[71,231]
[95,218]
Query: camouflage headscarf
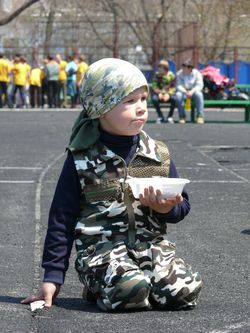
[104,85]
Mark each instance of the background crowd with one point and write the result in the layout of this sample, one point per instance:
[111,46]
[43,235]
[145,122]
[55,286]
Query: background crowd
[54,84]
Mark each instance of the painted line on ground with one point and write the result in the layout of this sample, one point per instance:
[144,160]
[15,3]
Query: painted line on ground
[20,168]
[225,147]
[209,168]
[232,327]
[219,181]
[42,110]
[17,181]
[37,244]
[220,166]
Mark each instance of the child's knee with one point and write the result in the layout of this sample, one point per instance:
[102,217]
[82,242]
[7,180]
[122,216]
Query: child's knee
[177,295]
[131,291]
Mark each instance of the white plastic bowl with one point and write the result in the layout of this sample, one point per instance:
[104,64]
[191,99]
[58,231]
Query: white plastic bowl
[169,187]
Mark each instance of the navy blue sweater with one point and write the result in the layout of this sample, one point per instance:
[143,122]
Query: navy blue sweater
[65,209]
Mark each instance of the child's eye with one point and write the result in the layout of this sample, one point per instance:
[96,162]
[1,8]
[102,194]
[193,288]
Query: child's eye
[129,101]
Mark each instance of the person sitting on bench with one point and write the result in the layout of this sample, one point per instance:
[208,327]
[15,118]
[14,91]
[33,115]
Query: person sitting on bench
[163,89]
[189,84]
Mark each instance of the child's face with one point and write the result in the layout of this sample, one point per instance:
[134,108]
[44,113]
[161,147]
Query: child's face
[129,116]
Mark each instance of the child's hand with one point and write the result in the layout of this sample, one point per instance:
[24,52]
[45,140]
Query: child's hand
[153,200]
[47,292]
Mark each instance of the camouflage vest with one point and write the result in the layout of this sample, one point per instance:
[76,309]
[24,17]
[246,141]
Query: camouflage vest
[104,217]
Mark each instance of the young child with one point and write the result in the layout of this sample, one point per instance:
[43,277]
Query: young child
[124,259]
[163,90]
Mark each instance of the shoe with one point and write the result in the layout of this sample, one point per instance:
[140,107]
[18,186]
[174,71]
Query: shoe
[159,120]
[170,120]
[200,120]
[182,121]
[88,296]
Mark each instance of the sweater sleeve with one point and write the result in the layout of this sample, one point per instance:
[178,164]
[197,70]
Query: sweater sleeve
[198,81]
[179,211]
[180,82]
[64,210]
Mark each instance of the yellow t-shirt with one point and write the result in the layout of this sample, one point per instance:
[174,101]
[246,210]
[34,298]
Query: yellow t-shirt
[4,70]
[36,77]
[62,72]
[19,71]
[81,70]
[28,71]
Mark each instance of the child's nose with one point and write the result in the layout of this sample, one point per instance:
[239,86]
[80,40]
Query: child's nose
[141,106]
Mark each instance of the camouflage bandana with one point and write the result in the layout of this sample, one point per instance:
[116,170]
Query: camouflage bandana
[106,83]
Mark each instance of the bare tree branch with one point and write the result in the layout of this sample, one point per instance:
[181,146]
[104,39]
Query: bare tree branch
[92,24]
[17,12]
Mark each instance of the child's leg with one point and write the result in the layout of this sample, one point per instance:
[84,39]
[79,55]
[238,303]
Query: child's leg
[128,291]
[174,284]
[118,285]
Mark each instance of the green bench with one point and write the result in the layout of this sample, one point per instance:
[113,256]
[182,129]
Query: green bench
[225,104]
[221,104]
[243,86]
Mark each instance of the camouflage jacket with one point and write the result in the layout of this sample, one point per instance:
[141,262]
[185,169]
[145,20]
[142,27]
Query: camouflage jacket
[105,217]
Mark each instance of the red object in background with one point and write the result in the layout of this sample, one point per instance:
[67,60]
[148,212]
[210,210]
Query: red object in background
[213,74]
[215,83]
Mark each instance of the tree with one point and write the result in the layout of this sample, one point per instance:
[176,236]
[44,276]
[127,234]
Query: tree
[17,12]
[49,28]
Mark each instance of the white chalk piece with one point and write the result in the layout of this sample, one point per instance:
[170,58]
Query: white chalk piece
[37,305]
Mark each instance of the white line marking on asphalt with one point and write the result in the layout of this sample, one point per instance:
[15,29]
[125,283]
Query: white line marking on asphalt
[222,147]
[20,168]
[221,166]
[17,181]
[194,168]
[37,245]
[40,110]
[219,181]
[209,168]
[230,328]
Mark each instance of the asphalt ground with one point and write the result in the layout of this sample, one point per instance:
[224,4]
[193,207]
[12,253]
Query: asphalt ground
[214,238]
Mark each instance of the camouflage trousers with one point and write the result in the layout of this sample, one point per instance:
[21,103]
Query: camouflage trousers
[147,276]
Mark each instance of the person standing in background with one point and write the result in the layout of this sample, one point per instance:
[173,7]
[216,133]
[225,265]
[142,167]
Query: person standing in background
[81,70]
[62,81]
[19,72]
[27,83]
[71,70]
[35,87]
[189,84]
[51,71]
[4,80]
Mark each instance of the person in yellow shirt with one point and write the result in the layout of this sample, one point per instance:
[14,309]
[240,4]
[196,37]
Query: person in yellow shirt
[19,72]
[81,70]
[4,80]
[27,84]
[62,81]
[35,86]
